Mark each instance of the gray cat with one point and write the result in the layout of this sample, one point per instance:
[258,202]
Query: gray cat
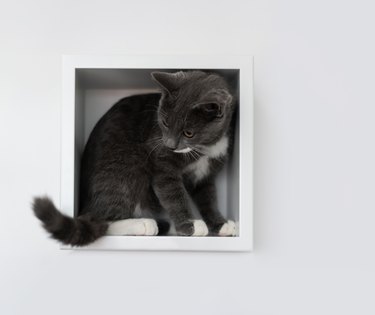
[143,159]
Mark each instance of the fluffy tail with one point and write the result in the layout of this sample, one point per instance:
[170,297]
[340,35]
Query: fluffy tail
[78,231]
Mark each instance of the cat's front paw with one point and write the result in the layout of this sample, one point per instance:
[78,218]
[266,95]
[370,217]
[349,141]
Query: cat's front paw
[228,229]
[192,228]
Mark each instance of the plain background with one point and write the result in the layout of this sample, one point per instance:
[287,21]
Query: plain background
[314,158]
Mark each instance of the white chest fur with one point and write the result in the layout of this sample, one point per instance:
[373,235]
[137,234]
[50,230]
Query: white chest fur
[218,149]
[201,168]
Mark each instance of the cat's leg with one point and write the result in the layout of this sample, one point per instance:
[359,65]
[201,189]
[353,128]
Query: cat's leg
[205,197]
[116,193]
[173,197]
[150,207]
[122,222]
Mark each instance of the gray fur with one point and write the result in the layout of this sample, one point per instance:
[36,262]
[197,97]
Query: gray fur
[129,159]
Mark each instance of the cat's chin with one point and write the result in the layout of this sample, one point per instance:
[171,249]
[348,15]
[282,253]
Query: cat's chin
[186,150]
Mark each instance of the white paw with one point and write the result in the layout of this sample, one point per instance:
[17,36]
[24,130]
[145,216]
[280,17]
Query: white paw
[228,229]
[137,227]
[150,227]
[200,228]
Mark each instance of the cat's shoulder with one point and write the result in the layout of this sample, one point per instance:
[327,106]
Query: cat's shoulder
[132,105]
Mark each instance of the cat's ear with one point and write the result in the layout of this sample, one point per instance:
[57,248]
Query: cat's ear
[222,96]
[210,110]
[169,82]
[219,102]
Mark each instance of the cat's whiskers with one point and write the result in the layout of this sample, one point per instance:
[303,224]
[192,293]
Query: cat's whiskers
[154,139]
[155,142]
[189,157]
[156,146]
[199,151]
[162,113]
[194,154]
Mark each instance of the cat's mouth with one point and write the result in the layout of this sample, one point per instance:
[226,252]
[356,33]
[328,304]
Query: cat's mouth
[185,150]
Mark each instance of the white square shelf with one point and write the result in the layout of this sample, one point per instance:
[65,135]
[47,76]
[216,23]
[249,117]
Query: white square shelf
[92,84]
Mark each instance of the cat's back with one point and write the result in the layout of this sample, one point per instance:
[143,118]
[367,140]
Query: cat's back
[137,103]
[122,131]
[134,109]
[118,140]
[129,119]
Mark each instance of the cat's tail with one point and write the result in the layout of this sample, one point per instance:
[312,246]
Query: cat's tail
[77,231]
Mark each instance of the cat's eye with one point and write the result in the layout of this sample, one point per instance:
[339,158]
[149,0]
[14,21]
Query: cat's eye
[188,133]
[165,123]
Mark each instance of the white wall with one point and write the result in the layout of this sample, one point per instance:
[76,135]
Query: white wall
[314,150]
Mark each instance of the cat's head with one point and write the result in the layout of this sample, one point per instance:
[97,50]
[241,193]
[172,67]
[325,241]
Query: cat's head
[194,111]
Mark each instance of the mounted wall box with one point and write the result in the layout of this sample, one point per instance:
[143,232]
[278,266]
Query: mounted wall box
[92,84]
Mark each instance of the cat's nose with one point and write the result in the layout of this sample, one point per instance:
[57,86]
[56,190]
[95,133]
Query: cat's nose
[171,143]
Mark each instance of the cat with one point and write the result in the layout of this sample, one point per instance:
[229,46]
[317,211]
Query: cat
[143,159]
